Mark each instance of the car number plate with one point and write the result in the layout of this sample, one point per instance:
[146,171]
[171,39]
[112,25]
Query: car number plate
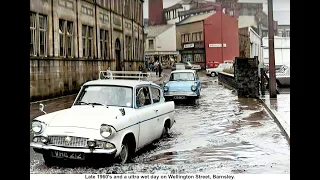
[179,97]
[69,155]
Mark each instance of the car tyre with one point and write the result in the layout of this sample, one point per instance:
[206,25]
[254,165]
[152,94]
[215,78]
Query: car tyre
[213,74]
[165,131]
[124,155]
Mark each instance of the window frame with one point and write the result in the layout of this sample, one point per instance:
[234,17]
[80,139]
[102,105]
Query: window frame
[136,90]
[87,38]
[104,44]
[37,30]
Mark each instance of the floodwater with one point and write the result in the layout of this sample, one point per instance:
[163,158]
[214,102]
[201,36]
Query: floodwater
[219,134]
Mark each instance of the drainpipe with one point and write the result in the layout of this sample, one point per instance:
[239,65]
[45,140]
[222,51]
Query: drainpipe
[110,29]
[77,29]
[123,35]
[221,38]
[96,24]
[52,21]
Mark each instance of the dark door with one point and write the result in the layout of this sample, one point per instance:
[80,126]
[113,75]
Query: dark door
[118,57]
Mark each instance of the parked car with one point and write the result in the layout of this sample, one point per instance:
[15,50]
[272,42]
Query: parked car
[182,84]
[282,76]
[109,117]
[215,71]
[188,65]
[178,66]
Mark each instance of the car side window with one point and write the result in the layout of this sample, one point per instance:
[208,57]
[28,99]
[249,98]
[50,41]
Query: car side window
[143,96]
[156,95]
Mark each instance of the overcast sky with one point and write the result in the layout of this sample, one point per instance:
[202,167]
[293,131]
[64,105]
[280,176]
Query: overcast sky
[278,5]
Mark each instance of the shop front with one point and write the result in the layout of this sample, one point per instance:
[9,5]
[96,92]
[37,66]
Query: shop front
[193,53]
[165,57]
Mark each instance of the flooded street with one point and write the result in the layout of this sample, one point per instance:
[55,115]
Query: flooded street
[221,134]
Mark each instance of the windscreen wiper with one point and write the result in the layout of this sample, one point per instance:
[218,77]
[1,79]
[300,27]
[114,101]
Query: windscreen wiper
[94,103]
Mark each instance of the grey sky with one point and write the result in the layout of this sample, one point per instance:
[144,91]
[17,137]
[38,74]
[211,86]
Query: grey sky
[281,7]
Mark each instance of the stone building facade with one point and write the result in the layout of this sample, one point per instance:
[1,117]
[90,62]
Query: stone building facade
[71,40]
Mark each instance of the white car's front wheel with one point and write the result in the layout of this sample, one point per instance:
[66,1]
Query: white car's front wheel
[124,153]
[213,74]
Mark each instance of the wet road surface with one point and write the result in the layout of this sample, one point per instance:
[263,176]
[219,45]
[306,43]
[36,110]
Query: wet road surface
[220,134]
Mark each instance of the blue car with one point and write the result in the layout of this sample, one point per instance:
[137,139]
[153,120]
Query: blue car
[182,84]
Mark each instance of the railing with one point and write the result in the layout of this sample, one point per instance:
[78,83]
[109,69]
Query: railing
[132,75]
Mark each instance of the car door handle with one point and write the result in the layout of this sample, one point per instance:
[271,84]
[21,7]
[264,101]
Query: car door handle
[156,110]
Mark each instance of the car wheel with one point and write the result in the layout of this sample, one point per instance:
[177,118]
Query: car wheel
[213,74]
[48,160]
[124,152]
[165,131]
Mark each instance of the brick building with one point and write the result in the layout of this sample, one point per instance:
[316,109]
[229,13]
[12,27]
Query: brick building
[156,14]
[200,38]
[71,40]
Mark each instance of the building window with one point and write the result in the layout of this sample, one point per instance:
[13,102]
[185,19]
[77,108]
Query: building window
[66,32]
[182,38]
[104,46]
[199,36]
[104,3]
[287,33]
[129,49]
[136,48]
[140,12]
[127,8]
[151,45]
[194,37]
[87,41]
[38,32]
[141,50]
[33,46]
[186,38]
[280,33]
[198,57]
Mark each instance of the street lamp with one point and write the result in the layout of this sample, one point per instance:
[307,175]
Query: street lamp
[272,74]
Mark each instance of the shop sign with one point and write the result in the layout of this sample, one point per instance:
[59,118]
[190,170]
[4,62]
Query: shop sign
[217,45]
[188,45]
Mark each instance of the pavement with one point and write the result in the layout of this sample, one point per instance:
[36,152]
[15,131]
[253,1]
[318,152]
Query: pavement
[279,109]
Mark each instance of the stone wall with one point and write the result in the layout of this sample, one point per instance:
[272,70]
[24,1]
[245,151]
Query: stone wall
[246,77]
[227,79]
[51,78]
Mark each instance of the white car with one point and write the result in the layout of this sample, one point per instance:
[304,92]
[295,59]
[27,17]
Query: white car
[188,65]
[108,117]
[215,71]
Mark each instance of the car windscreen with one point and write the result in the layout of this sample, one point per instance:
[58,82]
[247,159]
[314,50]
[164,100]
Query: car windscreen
[106,95]
[182,76]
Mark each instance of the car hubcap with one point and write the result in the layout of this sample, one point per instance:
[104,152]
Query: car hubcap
[124,153]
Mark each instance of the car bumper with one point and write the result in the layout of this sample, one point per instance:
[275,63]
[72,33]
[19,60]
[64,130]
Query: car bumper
[41,147]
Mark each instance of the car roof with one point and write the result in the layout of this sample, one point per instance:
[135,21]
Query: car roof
[184,70]
[119,82]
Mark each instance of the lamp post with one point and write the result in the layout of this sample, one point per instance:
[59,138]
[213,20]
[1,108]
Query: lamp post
[272,74]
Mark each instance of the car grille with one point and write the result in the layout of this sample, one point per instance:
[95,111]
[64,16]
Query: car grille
[78,142]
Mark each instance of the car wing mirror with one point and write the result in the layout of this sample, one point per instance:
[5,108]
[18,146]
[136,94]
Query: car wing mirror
[41,108]
[123,112]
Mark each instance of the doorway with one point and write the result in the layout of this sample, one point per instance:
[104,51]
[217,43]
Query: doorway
[118,53]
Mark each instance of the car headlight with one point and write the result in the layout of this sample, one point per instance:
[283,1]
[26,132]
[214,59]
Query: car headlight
[37,127]
[193,88]
[166,88]
[105,131]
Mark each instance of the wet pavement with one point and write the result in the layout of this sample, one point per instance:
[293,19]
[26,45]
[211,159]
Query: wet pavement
[280,108]
[221,134]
